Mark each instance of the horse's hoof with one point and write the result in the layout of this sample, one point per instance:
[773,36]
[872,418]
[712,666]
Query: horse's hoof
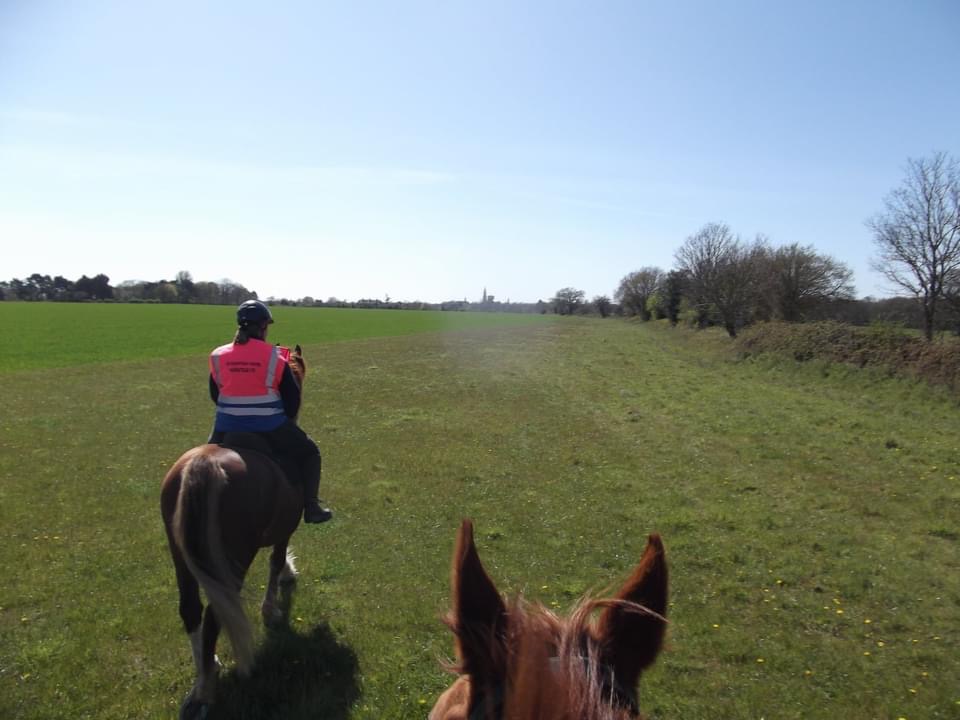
[194,709]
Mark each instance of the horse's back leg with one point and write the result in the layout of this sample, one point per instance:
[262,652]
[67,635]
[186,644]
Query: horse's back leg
[282,570]
[203,643]
[191,613]
[191,609]
[211,631]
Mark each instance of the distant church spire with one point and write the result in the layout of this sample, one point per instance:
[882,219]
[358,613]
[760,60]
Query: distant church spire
[484,295]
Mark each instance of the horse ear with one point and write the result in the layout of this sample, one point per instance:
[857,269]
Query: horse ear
[298,350]
[479,616]
[630,638]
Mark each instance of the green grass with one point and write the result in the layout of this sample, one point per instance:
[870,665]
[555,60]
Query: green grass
[50,335]
[784,495]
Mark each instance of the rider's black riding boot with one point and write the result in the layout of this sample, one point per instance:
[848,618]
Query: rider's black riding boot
[313,511]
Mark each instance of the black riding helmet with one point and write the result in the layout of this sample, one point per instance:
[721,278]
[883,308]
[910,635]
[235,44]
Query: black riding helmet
[253,312]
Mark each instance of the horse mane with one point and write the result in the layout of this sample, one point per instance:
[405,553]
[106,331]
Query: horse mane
[518,660]
[557,669]
[554,665]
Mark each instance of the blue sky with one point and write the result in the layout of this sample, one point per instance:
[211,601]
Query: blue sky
[426,150]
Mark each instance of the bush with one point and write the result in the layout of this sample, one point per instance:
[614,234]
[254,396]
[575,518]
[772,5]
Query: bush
[898,350]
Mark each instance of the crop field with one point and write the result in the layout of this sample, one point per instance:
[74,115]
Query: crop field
[811,514]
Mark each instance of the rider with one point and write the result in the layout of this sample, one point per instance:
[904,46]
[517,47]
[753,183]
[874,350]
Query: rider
[255,391]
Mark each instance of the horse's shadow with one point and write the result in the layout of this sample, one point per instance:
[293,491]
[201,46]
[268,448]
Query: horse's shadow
[295,676]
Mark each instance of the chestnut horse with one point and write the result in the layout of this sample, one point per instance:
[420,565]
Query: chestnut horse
[520,661]
[220,505]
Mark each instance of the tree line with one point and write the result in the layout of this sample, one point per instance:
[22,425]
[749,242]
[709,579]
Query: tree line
[721,279]
[718,278]
[182,289]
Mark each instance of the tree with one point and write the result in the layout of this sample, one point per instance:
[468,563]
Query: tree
[17,291]
[567,300]
[40,287]
[95,288]
[798,280]
[951,294]
[232,293]
[207,293]
[672,292]
[185,287]
[722,275]
[61,288]
[918,234]
[636,289]
[166,292]
[602,304]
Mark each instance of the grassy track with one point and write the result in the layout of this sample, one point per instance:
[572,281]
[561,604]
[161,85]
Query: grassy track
[811,523]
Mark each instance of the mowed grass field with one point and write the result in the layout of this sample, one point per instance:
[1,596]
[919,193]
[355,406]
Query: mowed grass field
[811,517]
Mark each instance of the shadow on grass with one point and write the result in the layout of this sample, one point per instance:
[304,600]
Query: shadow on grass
[295,676]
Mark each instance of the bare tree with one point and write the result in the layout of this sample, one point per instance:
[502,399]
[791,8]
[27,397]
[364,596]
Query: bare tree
[798,280]
[721,275]
[636,288]
[918,234]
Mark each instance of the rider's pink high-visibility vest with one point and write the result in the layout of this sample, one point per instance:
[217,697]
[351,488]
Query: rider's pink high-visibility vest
[248,377]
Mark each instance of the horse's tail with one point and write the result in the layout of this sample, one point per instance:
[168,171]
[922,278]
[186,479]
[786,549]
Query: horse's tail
[196,530]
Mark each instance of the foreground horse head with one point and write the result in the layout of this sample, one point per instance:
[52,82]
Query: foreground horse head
[520,662]
[220,505]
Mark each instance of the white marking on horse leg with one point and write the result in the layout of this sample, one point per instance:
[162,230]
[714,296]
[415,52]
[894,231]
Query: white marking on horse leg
[289,572]
[203,688]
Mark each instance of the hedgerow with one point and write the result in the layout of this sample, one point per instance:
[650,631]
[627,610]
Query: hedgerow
[892,348]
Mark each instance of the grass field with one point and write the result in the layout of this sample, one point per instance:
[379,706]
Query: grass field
[52,335]
[811,519]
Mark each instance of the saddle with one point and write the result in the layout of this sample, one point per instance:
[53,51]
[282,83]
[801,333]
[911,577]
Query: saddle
[253,441]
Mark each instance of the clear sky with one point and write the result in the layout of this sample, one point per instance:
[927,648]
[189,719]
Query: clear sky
[426,150]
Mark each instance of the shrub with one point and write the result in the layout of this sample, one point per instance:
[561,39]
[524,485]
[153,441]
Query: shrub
[900,351]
